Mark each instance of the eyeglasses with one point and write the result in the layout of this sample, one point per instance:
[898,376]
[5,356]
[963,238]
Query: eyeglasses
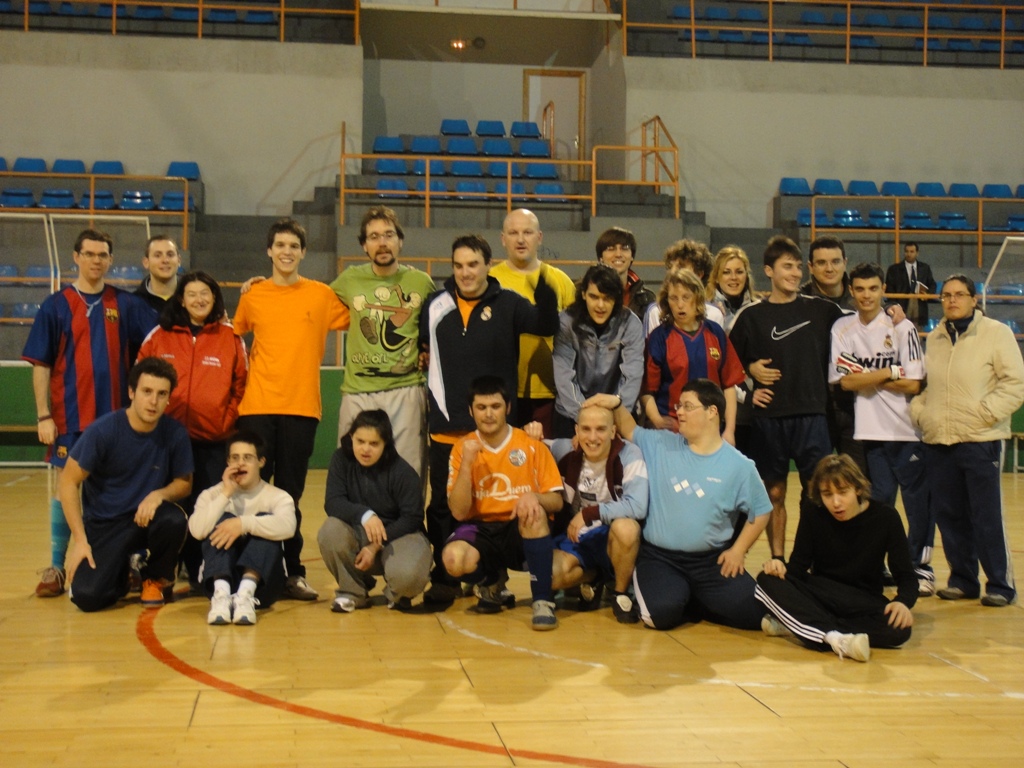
[955,296]
[374,237]
[690,407]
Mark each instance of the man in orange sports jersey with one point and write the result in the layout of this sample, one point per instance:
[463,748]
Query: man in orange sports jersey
[502,486]
[290,318]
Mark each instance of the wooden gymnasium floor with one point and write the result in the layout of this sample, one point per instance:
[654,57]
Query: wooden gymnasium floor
[306,687]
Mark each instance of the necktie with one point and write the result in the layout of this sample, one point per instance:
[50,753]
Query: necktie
[913,309]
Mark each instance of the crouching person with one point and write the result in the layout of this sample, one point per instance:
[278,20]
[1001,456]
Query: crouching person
[241,522]
[374,522]
[830,593]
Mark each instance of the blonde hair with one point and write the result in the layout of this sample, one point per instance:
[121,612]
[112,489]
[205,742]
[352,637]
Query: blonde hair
[723,257]
[683,278]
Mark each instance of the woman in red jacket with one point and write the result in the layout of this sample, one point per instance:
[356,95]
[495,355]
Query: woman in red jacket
[195,336]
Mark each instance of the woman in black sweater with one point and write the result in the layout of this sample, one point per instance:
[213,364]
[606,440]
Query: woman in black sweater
[830,594]
[374,522]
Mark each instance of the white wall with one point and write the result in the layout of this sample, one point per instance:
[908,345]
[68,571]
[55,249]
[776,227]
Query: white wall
[262,119]
[742,125]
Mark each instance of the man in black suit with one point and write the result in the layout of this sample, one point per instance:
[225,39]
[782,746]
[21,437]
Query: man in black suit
[911,276]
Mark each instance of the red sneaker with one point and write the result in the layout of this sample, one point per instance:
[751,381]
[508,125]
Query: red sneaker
[51,583]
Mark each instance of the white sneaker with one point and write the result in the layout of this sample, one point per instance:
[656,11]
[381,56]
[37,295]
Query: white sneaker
[220,609]
[244,609]
[925,587]
[772,627]
[544,615]
[855,647]
[347,603]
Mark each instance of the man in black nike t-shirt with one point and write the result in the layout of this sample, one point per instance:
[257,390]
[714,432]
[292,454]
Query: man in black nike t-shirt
[783,342]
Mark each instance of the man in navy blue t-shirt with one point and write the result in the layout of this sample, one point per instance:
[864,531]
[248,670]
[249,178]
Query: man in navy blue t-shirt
[118,491]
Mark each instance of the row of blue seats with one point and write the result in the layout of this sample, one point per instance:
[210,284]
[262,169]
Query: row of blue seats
[874,18]
[180,168]
[797,185]
[125,272]
[21,311]
[496,169]
[800,39]
[468,190]
[461,145]
[131,200]
[883,219]
[521,129]
[140,12]
[1013,325]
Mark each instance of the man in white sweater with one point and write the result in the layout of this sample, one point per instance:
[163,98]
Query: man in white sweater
[242,521]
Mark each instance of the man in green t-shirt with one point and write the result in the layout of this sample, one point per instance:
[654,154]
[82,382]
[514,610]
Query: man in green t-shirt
[381,366]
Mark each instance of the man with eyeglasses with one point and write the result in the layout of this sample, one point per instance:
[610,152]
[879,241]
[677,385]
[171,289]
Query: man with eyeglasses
[975,383]
[382,349]
[80,347]
[690,564]
[616,248]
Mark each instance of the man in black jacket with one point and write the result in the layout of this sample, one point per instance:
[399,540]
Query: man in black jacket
[911,276]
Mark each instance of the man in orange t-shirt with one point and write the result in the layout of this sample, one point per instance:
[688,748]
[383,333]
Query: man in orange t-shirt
[290,318]
[502,486]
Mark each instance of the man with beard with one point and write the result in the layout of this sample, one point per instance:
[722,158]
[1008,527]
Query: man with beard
[381,369]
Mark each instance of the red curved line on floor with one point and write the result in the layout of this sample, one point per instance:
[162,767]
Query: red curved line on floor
[146,633]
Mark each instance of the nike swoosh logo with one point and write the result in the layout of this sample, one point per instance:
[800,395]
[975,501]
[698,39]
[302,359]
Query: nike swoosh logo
[780,335]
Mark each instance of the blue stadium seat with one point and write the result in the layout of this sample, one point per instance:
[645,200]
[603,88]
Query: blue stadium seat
[988,46]
[68,166]
[699,35]
[184,14]
[64,9]
[761,38]
[466,168]
[17,197]
[1020,191]
[972,23]
[175,201]
[127,272]
[959,46]
[149,13]
[882,219]
[1013,325]
[29,165]
[454,127]
[57,198]
[392,188]
[828,187]
[797,38]
[425,145]
[896,188]
[815,18]
[864,41]
[1016,222]
[104,200]
[929,189]
[468,190]
[917,220]
[388,145]
[3,164]
[996,191]
[38,271]
[848,217]
[933,44]
[794,185]
[1011,289]
[939,21]
[186,169]
[8,270]
[24,310]
[838,19]
[731,36]
[259,17]
[438,189]
[861,188]
[550,188]
[876,19]
[490,128]
[137,200]
[419,167]
[499,169]
[108,167]
[963,190]
[106,11]
[750,16]
[932,324]
[221,16]
[681,12]
[803,217]
[498,147]
[389,165]
[39,8]
[524,129]
[461,145]
[541,171]
[534,148]
[518,188]
[953,220]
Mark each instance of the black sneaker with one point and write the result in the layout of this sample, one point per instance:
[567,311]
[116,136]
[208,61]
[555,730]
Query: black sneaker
[590,596]
[442,594]
[623,608]
[494,597]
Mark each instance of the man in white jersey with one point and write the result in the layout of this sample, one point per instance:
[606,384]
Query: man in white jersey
[881,361]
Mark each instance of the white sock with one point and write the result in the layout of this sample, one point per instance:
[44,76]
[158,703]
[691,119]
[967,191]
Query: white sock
[221,587]
[247,587]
